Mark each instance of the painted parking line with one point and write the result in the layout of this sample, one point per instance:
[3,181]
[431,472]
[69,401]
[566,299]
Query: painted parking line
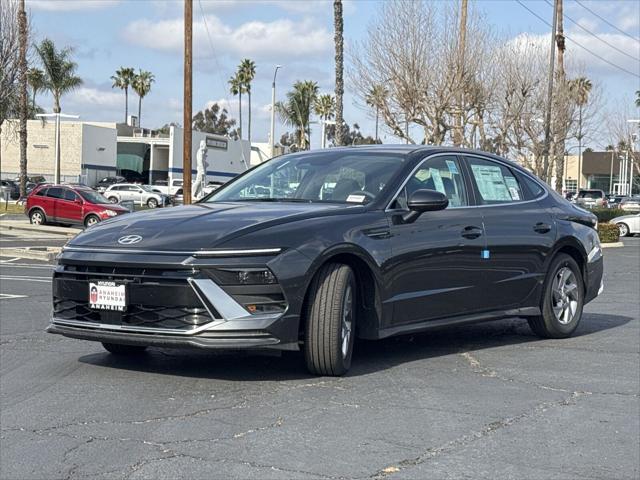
[12,265]
[9,296]
[10,260]
[26,278]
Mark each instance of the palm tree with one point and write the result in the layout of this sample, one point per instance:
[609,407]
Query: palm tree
[248,69]
[376,99]
[338,26]
[123,79]
[36,79]
[296,110]
[580,88]
[142,86]
[237,86]
[324,106]
[59,69]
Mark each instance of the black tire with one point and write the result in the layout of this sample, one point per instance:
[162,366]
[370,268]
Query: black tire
[325,349]
[548,325]
[91,220]
[152,203]
[37,217]
[624,229]
[113,199]
[117,349]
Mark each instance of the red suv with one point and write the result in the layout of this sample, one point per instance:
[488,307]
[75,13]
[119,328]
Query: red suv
[69,204]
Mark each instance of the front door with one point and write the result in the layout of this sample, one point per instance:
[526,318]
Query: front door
[436,265]
[520,234]
[69,207]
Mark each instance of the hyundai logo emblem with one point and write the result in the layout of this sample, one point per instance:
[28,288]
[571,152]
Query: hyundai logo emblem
[129,239]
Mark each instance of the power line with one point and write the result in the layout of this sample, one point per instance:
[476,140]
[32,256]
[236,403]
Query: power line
[578,43]
[596,36]
[215,57]
[607,22]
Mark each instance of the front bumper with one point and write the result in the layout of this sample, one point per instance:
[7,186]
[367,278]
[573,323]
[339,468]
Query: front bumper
[169,305]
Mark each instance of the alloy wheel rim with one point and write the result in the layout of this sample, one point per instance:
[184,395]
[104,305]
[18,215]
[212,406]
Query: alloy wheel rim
[91,221]
[36,218]
[623,230]
[347,320]
[565,296]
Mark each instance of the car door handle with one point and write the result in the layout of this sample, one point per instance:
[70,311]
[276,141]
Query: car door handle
[471,232]
[542,227]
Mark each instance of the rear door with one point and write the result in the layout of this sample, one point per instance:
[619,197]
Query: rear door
[519,233]
[53,195]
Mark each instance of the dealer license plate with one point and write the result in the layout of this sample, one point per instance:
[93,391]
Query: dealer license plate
[105,295]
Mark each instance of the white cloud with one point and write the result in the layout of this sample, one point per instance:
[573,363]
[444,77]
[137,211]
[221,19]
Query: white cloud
[94,97]
[68,5]
[253,38]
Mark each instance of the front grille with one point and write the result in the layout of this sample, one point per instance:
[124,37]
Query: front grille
[156,297]
[173,318]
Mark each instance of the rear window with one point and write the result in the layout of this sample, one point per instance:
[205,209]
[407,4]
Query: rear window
[590,194]
[535,190]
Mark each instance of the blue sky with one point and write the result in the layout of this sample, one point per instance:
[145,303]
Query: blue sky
[298,34]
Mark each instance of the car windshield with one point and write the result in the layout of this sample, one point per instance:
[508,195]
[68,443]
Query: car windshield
[337,177]
[92,197]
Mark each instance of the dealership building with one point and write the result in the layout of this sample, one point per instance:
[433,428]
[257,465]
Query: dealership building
[90,151]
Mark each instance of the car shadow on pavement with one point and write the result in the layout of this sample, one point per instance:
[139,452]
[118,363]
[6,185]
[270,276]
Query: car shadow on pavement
[369,356]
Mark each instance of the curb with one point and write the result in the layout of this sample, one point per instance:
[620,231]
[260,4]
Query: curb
[69,232]
[48,254]
[612,245]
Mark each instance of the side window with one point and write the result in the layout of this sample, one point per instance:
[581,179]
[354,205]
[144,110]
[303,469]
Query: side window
[42,192]
[69,195]
[442,174]
[535,190]
[495,183]
[54,192]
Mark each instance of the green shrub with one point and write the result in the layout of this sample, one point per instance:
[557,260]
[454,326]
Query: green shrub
[608,232]
[606,214]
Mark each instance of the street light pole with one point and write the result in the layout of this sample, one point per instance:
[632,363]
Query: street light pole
[273,112]
[57,116]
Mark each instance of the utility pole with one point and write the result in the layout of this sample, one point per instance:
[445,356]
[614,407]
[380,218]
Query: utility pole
[462,35]
[273,113]
[24,113]
[560,143]
[547,120]
[187,102]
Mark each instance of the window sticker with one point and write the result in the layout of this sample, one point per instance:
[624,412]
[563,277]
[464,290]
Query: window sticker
[453,168]
[356,198]
[437,179]
[514,188]
[491,183]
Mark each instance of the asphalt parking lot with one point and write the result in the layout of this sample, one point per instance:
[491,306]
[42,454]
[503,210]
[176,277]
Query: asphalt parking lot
[488,400]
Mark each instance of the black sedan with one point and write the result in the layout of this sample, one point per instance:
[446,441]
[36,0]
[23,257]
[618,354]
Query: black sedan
[310,250]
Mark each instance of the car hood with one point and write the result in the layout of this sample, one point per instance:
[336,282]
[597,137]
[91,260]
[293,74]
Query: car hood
[204,225]
[623,217]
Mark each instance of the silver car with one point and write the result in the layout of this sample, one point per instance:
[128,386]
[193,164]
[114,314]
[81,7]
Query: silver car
[591,199]
[628,224]
[138,194]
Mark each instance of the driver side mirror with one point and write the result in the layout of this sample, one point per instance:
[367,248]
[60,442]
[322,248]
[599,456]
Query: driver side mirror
[424,201]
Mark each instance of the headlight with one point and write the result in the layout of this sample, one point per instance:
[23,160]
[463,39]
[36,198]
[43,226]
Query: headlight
[110,213]
[246,276]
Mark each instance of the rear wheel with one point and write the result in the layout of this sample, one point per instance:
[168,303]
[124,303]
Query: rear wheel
[562,300]
[152,203]
[118,349]
[330,320]
[91,220]
[36,217]
[113,199]
[624,229]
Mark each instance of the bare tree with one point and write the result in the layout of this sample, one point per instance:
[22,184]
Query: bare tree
[9,65]
[22,94]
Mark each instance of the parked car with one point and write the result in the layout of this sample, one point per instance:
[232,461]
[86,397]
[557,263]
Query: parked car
[37,179]
[9,188]
[69,204]
[614,200]
[139,194]
[628,224]
[630,204]
[211,187]
[106,182]
[411,238]
[591,199]
[131,176]
[163,186]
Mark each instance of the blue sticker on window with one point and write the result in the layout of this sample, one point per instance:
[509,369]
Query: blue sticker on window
[484,254]
[453,168]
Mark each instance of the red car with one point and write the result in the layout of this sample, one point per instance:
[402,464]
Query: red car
[69,204]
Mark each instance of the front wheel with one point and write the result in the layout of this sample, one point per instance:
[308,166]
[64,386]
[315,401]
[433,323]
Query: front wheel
[91,220]
[37,217]
[562,301]
[152,203]
[624,229]
[118,349]
[331,320]
[113,199]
